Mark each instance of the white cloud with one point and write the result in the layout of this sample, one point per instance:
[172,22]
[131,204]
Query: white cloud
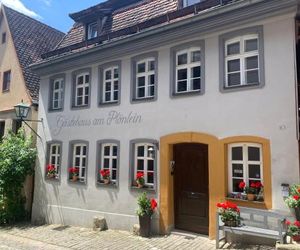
[19,6]
[47,2]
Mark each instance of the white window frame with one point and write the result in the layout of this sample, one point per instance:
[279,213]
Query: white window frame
[245,162]
[89,30]
[81,156]
[58,91]
[242,56]
[83,87]
[145,158]
[188,67]
[112,83]
[57,157]
[147,75]
[110,157]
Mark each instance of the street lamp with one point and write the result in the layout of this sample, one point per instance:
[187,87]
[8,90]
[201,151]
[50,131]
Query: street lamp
[22,111]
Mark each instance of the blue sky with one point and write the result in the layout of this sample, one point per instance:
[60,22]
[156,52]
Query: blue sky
[52,12]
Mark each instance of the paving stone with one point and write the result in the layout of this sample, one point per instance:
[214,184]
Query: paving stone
[48,237]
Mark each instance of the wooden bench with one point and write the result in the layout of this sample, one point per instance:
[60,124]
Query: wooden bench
[255,222]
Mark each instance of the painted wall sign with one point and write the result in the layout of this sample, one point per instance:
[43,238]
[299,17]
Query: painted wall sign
[112,118]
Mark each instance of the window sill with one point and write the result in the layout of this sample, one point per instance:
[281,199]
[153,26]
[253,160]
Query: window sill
[5,91]
[109,104]
[76,182]
[143,189]
[242,87]
[246,203]
[141,100]
[110,185]
[50,110]
[189,93]
[80,107]
[55,179]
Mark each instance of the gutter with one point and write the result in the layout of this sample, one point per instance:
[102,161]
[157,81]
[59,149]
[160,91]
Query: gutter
[206,14]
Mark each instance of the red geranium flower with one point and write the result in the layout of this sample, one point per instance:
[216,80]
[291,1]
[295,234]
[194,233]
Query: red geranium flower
[105,173]
[297,223]
[139,175]
[50,167]
[73,170]
[242,185]
[298,190]
[287,222]
[153,204]
[296,197]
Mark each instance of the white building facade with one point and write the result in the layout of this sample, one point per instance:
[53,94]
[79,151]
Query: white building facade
[197,105]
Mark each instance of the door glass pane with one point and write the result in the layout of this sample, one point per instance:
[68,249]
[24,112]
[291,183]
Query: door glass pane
[254,171]
[237,153]
[237,170]
[233,48]
[251,45]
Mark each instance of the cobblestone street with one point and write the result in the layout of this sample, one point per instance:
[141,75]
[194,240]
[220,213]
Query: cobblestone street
[64,237]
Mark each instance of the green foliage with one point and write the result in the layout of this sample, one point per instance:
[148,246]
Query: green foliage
[144,205]
[291,202]
[295,189]
[17,157]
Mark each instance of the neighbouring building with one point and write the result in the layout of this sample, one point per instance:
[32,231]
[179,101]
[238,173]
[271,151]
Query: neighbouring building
[196,95]
[22,41]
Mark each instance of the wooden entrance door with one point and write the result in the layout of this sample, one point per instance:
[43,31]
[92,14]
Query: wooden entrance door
[191,187]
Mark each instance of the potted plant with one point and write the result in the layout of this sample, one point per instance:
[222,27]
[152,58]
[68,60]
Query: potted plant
[146,208]
[105,176]
[140,181]
[253,190]
[74,171]
[51,171]
[293,201]
[293,230]
[230,213]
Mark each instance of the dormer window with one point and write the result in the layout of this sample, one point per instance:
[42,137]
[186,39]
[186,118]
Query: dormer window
[186,3]
[92,30]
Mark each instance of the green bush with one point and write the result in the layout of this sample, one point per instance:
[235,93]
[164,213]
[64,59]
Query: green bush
[17,157]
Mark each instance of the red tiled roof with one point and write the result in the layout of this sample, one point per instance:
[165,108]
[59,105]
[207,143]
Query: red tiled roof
[31,39]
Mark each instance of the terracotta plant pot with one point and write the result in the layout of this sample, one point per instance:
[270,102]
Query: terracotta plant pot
[106,181]
[296,238]
[75,178]
[250,197]
[231,223]
[145,225]
[51,176]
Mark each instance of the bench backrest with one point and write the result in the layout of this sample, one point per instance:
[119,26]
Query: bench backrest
[261,218]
